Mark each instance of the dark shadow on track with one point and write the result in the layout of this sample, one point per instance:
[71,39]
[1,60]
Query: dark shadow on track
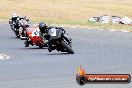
[35,48]
[58,54]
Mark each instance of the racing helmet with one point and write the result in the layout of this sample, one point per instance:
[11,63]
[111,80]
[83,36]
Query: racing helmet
[14,15]
[42,26]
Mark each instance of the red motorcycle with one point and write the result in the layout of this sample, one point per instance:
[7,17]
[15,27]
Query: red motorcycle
[34,38]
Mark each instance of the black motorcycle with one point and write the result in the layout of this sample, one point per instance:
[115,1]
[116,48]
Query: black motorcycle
[58,41]
[15,27]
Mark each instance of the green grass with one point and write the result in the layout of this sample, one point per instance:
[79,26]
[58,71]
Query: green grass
[70,12]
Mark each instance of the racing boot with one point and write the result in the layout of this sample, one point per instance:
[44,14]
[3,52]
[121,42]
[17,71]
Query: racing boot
[26,43]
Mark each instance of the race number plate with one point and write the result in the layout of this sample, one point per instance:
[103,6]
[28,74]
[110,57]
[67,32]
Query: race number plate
[53,32]
[36,32]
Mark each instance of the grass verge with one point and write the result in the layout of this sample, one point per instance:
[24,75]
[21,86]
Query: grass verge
[68,12]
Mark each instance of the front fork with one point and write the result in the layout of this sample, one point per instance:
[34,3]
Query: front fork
[68,40]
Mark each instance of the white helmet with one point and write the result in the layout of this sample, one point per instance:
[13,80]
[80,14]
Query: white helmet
[14,15]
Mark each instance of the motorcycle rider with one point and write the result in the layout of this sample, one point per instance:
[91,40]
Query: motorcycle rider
[44,32]
[13,18]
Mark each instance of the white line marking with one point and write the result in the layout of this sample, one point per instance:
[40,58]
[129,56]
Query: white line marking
[112,30]
[125,31]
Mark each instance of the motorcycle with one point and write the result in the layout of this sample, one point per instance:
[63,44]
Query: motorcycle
[57,41]
[15,27]
[24,24]
[34,38]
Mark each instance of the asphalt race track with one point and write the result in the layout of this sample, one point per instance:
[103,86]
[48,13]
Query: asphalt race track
[97,51]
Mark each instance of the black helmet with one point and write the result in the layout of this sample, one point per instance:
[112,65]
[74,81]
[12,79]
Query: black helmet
[42,26]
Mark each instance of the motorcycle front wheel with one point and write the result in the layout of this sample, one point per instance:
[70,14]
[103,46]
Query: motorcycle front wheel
[68,48]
